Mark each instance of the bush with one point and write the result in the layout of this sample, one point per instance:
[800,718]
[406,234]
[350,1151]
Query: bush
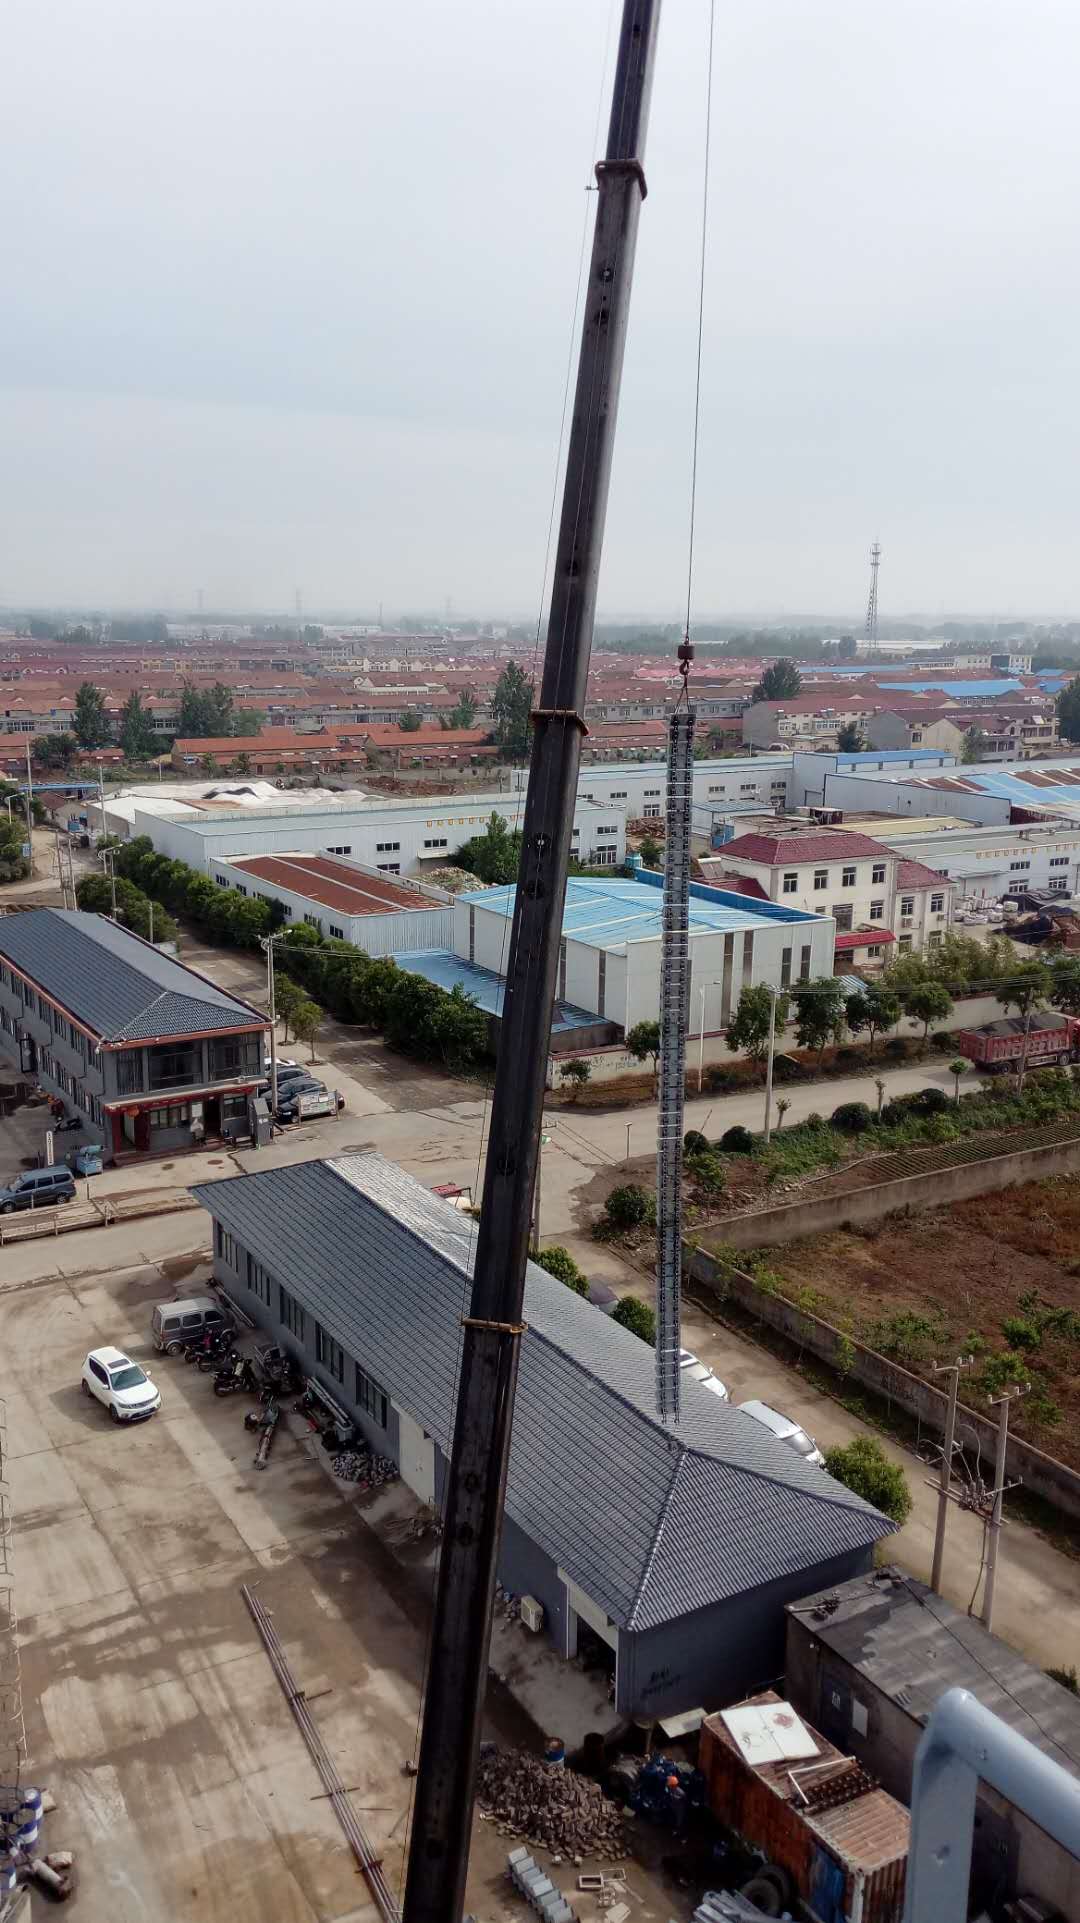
[941,1129]
[929,1101]
[695,1143]
[1066,1677]
[863,1467]
[897,1046]
[844,1057]
[707,1171]
[894,1113]
[629,1207]
[737,1141]
[852,1117]
[787,1068]
[637,1316]
[560,1263]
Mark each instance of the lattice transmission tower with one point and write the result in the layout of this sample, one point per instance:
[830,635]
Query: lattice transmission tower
[871,605]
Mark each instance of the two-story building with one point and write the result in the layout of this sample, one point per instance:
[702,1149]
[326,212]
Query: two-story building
[149,1054]
[877,898]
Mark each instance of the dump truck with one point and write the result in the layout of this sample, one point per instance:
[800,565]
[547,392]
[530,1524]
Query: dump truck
[1039,1041]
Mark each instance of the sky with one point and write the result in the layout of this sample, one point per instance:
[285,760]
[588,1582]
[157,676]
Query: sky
[287,291]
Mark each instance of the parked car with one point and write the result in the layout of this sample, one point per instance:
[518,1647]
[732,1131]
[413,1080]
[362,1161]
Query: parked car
[303,1099]
[38,1188]
[283,1062]
[174,1324]
[695,1371]
[126,1390]
[785,1430]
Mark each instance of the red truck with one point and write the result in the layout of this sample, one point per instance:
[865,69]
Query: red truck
[1040,1041]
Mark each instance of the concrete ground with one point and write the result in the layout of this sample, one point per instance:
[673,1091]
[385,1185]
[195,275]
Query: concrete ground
[153,1714]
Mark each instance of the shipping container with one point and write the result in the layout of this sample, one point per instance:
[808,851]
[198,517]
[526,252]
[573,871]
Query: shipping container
[809,1808]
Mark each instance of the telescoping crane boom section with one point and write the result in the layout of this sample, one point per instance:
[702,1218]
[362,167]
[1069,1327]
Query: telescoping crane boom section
[492,1332]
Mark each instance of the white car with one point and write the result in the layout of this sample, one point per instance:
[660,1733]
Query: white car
[786,1431]
[126,1390]
[700,1372]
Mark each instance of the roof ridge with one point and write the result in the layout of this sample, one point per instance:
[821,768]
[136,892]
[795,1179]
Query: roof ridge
[658,1536]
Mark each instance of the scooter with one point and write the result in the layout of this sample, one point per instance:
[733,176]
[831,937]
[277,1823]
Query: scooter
[240,1376]
[216,1361]
[216,1342]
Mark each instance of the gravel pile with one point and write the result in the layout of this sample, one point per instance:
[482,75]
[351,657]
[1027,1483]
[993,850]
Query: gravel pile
[550,1805]
[360,1466]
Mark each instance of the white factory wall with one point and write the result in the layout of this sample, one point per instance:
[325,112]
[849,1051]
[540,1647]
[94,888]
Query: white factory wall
[398,932]
[991,861]
[406,839]
[856,793]
[639,788]
[810,771]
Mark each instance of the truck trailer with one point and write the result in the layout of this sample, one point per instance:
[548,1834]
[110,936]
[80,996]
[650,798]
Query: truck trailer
[1040,1040]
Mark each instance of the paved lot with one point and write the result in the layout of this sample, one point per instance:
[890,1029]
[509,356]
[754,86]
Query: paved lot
[152,1710]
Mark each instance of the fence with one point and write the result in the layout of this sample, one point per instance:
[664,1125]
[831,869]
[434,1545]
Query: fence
[1041,1474]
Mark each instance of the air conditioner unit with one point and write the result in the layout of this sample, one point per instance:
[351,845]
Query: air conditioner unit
[532,1614]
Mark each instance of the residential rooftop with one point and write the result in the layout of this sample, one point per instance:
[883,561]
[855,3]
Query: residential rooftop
[113,984]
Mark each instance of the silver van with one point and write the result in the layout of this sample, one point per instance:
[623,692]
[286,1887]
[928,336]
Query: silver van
[175,1324]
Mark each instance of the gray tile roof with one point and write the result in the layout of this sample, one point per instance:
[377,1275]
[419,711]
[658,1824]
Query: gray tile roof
[650,1523]
[114,982]
[912,1645]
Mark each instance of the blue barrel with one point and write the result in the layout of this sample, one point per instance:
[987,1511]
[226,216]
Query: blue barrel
[555,1750]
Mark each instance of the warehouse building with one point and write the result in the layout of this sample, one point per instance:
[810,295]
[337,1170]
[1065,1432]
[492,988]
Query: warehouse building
[868,1659]
[638,788]
[810,772]
[396,837]
[609,958]
[1021,791]
[149,1054]
[987,862]
[674,1551]
[344,900]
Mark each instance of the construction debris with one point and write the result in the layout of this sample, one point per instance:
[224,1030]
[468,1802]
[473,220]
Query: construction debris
[508,1603]
[362,1466]
[549,1805]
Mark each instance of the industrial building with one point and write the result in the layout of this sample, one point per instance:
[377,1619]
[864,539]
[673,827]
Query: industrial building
[868,1659]
[986,862]
[1021,791]
[673,1551]
[148,1053]
[637,788]
[399,837]
[811,771]
[609,960]
[344,900]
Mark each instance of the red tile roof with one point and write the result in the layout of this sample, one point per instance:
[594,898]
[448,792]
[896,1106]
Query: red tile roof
[849,938]
[915,874]
[385,734]
[815,844]
[333,885]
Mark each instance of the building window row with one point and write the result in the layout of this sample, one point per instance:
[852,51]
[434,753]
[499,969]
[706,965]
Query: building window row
[334,930]
[259,1281]
[329,1353]
[290,1314]
[224,1243]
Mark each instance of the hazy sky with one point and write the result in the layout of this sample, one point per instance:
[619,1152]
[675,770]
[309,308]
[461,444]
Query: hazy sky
[286,295]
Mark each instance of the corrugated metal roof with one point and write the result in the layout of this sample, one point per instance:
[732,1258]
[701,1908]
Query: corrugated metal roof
[651,1524]
[608,914]
[113,982]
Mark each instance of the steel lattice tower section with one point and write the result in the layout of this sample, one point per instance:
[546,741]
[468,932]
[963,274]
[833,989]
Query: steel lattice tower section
[12,1731]
[871,605]
[674,1006]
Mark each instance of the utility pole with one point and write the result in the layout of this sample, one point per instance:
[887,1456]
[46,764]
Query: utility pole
[108,859]
[151,902]
[492,1330]
[952,1370]
[769,1065]
[1024,1054]
[101,792]
[1003,1404]
[29,808]
[268,944]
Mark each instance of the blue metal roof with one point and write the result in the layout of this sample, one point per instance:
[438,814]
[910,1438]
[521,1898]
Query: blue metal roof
[604,914]
[449,971]
[966,690]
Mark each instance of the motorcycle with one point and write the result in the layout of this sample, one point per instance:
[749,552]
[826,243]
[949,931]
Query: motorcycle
[240,1376]
[216,1342]
[217,1360]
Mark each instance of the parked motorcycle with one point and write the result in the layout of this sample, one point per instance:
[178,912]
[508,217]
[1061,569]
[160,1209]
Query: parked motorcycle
[217,1360]
[239,1376]
[215,1342]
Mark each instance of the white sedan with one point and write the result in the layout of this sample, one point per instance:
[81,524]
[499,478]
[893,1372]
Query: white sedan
[126,1390]
[700,1372]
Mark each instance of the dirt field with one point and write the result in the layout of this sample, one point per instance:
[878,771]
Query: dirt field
[999,1274]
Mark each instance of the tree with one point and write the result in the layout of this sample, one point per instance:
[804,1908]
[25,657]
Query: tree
[1027,989]
[288,996]
[1068,710]
[973,746]
[847,648]
[192,721]
[136,733]
[748,1029]
[874,1008]
[90,721]
[54,750]
[243,764]
[637,1316]
[560,1263]
[928,1002]
[956,1069]
[576,1072]
[410,722]
[511,708]
[850,739]
[643,1041]
[819,1014]
[1065,993]
[464,714]
[307,1021]
[782,1107]
[649,850]
[863,1467]
[247,722]
[493,856]
[781,682]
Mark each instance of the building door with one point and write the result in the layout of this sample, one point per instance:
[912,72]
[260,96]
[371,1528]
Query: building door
[142,1128]
[416,1458]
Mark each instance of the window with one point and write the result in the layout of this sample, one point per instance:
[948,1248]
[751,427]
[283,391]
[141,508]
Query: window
[387,847]
[904,943]
[1019,864]
[877,911]
[226,1058]
[346,849]
[222,880]
[178,1115]
[791,883]
[224,1245]
[329,1353]
[934,940]
[650,791]
[370,1397]
[290,1314]
[241,888]
[847,878]
[907,904]
[821,878]
[650,809]
[1057,885]
[1059,861]
[618,794]
[804,963]
[937,904]
[170,1067]
[339,932]
[785,968]
[388,867]
[877,874]
[874,952]
[607,831]
[313,921]
[129,1071]
[258,1280]
[436,841]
